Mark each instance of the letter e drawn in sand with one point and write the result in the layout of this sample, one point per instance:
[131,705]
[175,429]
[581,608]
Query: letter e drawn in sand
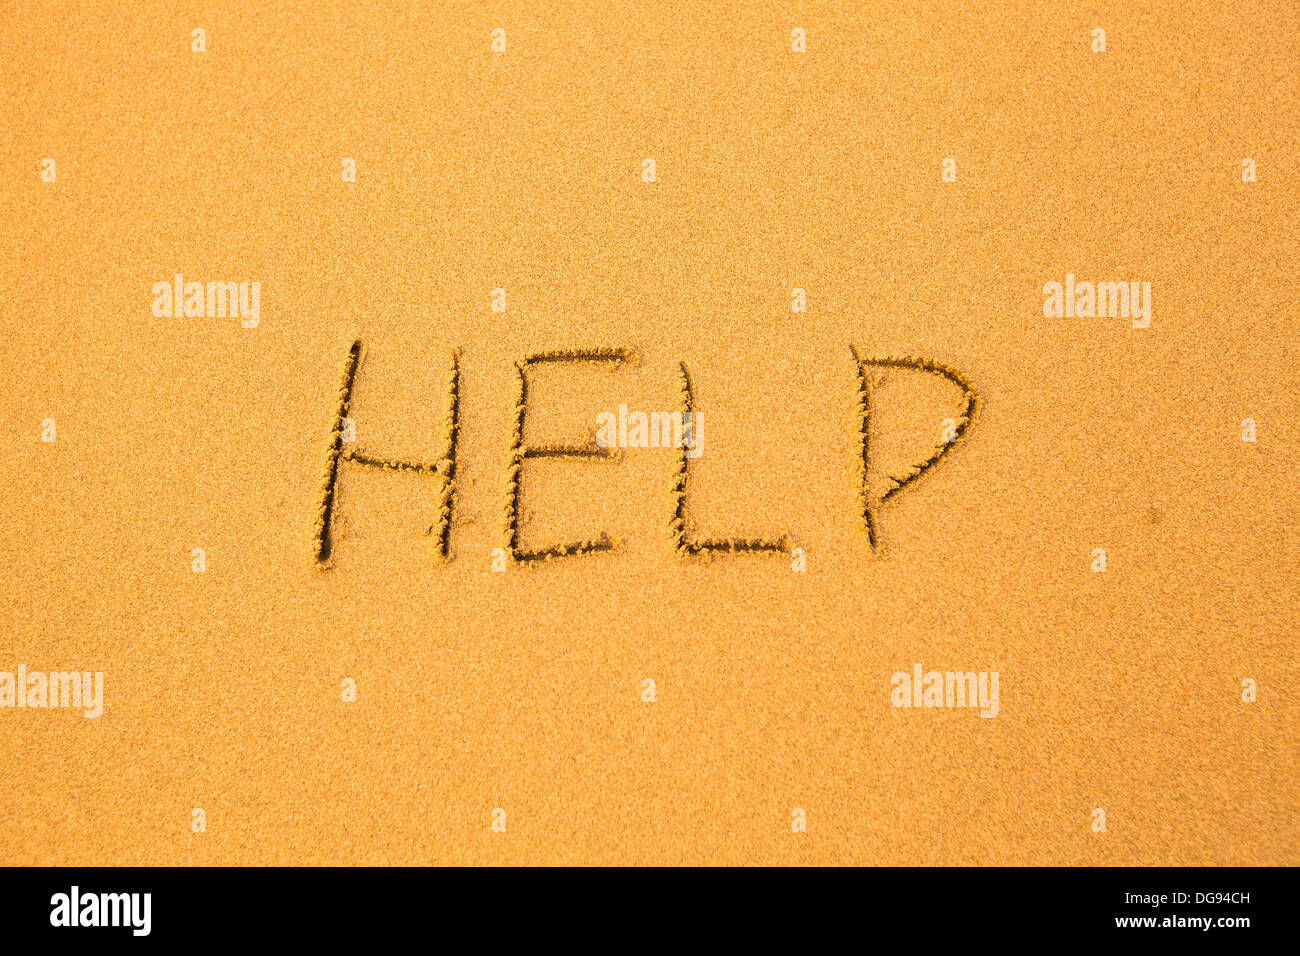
[519,451]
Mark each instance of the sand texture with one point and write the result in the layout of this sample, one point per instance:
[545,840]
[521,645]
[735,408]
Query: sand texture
[497,586]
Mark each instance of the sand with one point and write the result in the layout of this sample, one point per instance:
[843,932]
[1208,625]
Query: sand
[522,690]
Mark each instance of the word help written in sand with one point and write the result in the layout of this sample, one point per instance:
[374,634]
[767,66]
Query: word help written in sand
[444,469]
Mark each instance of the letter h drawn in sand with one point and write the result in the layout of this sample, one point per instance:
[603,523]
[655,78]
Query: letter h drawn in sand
[445,467]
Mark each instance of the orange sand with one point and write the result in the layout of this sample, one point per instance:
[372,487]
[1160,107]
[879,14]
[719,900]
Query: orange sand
[522,690]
